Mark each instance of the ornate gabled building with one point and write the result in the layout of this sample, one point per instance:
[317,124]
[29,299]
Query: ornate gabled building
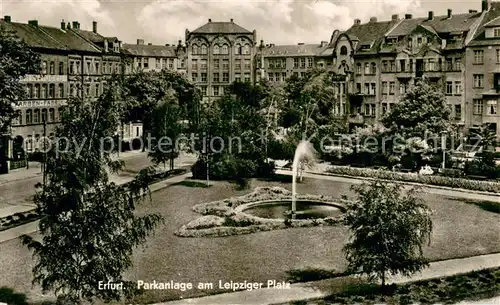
[219,53]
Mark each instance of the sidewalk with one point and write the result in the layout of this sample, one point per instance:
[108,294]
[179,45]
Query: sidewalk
[319,289]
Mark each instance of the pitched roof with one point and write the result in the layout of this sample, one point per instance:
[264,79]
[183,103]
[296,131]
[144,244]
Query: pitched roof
[70,39]
[293,50]
[150,50]
[221,27]
[33,36]
[371,34]
[480,37]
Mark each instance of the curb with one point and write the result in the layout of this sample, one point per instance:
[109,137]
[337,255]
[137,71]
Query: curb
[407,183]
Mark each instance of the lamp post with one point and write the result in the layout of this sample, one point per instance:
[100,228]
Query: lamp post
[443,148]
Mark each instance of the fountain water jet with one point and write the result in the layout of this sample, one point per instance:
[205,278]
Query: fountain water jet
[304,153]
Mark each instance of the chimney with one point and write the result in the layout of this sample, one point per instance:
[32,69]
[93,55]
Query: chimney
[395,17]
[68,26]
[140,41]
[232,20]
[179,42]
[373,19]
[33,22]
[408,16]
[63,25]
[449,13]
[300,44]
[150,44]
[357,21]
[431,15]
[167,45]
[94,26]
[7,19]
[209,20]
[472,11]
[324,43]
[485,5]
[75,25]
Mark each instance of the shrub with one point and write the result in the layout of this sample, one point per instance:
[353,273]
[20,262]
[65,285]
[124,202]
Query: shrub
[485,186]
[453,173]
[8,296]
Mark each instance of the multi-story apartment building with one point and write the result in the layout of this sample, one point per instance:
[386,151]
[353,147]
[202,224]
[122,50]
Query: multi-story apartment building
[149,57]
[219,53]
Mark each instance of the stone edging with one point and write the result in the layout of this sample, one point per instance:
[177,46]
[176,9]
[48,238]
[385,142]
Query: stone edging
[447,188]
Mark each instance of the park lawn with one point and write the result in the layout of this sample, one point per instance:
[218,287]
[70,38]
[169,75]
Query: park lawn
[460,230]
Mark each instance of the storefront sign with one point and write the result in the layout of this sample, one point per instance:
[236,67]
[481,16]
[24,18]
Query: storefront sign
[41,103]
[46,78]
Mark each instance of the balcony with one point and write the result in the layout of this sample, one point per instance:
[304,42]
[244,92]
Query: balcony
[356,118]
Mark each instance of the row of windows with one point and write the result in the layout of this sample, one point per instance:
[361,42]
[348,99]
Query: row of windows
[221,49]
[403,65]
[369,68]
[38,116]
[216,77]
[215,90]
[50,68]
[478,107]
[370,109]
[237,64]
[479,56]
[34,91]
[454,88]
[160,63]
[94,67]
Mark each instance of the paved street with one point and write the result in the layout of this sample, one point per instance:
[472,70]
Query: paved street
[15,196]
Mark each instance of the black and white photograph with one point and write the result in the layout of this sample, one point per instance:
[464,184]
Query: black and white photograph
[249,152]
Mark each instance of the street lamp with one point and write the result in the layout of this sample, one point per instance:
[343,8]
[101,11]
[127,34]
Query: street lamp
[443,148]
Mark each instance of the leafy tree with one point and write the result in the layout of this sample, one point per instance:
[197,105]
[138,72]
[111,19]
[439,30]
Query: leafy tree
[89,227]
[484,163]
[389,230]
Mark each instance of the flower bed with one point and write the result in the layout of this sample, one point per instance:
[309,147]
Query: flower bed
[223,218]
[18,219]
[475,185]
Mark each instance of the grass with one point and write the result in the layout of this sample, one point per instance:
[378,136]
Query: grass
[489,206]
[192,183]
[311,274]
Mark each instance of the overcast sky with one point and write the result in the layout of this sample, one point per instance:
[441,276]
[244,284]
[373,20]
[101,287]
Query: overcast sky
[276,21]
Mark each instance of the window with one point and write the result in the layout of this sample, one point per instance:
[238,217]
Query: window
[384,88]
[402,65]
[283,76]
[29,89]
[392,87]
[478,80]
[237,64]
[458,111]
[478,56]
[61,68]
[247,77]
[216,90]
[237,49]
[358,88]
[216,50]
[225,77]
[310,62]
[385,66]
[367,88]
[449,64]
[97,70]
[78,70]
[458,87]
[373,68]
[43,93]
[432,64]
[496,32]
[44,115]
[29,116]
[204,77]
[492,107]
[246,49]
[367,68]
[477,106]
[225,64]
[216,77]
[194,76]
[51,115]
[195,49]
[225,49]
[145,63]
[216,64]
[170,63]
[449,88]
[204,90]
[44,67]
[343,50]
[52,91]
[203,64]
[419,42]
[36,92]
[302,63]
[295,62]
[237,77]
[403,87]
[97,91]
[52,68]
[247,64]
[373,89]
[358,68]
[195,64]
[158,63]
[36,116]
[384,108]
[270,77]
[458,64]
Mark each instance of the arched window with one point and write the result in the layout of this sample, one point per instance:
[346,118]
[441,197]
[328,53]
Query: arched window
[216,49]
[195,49]
[246,49]
[36,92]
[60,112]
[29,89]
[52,115]
[61,90]
[367,68]
[225,49]
[36,116]
[52,90]
[237,49]
[373,69]
[204,49]
[29,116]
[343,50]
[44,115]
[52,68]
[44,91]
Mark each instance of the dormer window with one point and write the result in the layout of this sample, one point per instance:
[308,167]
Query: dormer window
[419,42]
[365,47]
[496,32]
[343,50]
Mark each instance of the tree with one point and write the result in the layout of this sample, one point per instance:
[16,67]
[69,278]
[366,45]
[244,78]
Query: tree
[484,163]
[88,224]
[389,230]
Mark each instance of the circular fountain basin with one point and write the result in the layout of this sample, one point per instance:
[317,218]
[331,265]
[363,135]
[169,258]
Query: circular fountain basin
[306,209]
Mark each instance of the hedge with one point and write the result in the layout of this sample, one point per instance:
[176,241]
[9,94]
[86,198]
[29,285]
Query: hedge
[469,184]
